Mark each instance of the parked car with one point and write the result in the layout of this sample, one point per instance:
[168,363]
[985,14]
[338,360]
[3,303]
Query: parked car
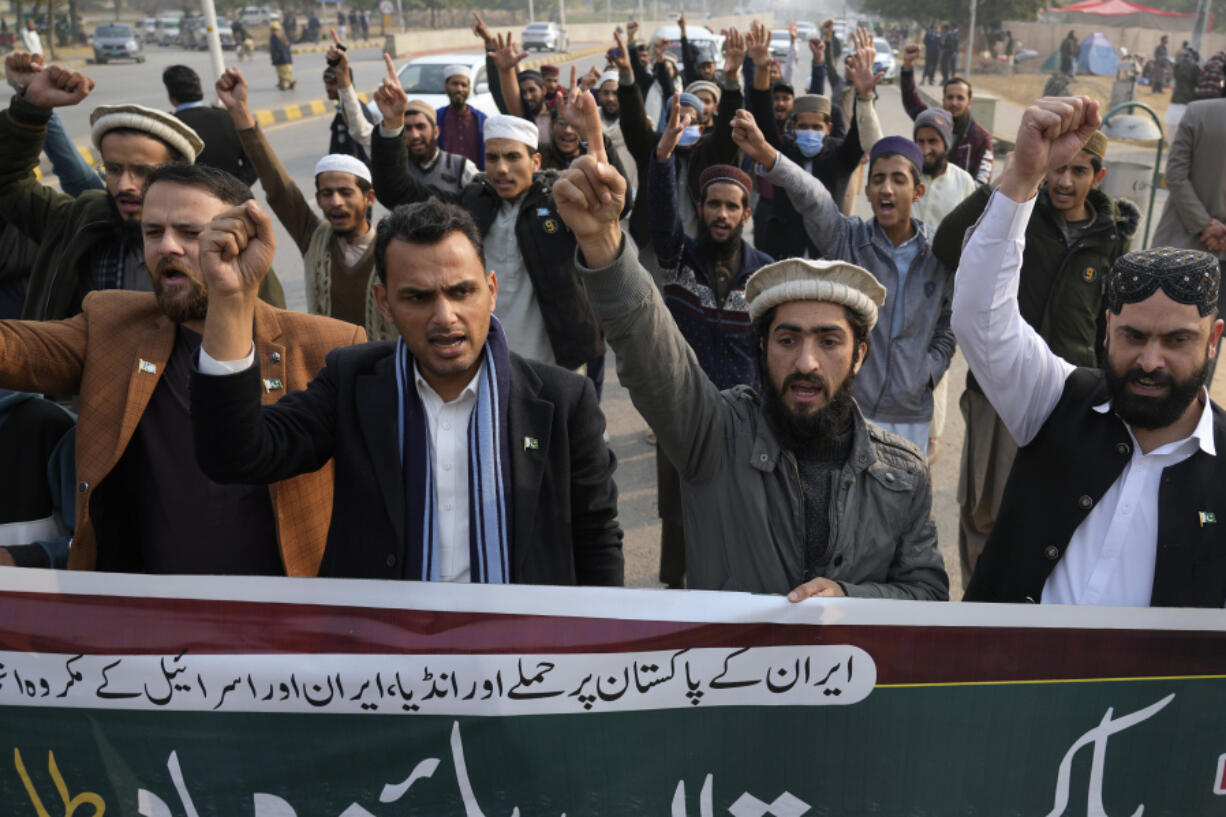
[117,41]
[422,79]
[167,30]
[781,41]
[257,15]
[805,30]
[699,36]
[885,61]
[542,37]
[149,30]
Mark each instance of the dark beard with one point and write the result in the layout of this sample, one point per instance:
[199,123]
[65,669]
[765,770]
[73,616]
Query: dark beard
[182,308]
[960,123]
[1153,412]
[819,430]
[936,168]
[719,252]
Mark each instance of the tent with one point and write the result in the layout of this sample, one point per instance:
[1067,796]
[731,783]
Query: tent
[1125,14]
[1097,56]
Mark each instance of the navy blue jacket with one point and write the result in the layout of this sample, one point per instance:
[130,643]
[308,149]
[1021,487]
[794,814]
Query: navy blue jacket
[719,331]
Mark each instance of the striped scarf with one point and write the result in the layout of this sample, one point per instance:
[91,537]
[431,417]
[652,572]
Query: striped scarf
[489,469]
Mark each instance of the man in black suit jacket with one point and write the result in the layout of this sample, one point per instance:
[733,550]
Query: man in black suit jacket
[222,149]
[556,509]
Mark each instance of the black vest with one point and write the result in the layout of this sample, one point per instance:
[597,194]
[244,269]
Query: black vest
[1066,469]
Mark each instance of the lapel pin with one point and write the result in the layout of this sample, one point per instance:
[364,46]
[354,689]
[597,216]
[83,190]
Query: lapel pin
[531,444]
[272,384]
[147,367]
[1207,518]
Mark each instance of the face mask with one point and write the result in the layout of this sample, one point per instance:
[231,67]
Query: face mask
[689,136]
[809,142]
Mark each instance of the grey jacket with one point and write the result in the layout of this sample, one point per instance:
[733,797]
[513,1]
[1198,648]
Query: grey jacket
[742,497]
[896,382]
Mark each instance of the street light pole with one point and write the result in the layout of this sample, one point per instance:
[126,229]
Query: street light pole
[970,40]
[213,38]
[1202,22]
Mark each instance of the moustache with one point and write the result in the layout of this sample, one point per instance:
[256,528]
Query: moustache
[811,379]
[1142,377]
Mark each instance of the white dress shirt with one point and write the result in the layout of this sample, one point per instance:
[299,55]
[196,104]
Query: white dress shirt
[1111,556]
[447,429]
[447,425]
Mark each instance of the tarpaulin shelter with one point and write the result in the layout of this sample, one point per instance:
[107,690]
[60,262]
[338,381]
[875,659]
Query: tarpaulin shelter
[1097,56]
[1125,14]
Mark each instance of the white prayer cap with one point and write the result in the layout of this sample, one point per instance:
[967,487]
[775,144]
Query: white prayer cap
[515,128]
[457,70]
[608,76]
[343,163]
[800,279]
[169,129]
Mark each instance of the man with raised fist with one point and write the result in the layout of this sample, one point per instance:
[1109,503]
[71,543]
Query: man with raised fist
[1114,494]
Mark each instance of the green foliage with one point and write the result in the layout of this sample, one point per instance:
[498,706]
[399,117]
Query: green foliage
[925,11]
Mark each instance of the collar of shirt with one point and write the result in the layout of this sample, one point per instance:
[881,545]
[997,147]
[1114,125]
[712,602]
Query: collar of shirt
[432,161]
[431,399]
[1203,433]
[199,103]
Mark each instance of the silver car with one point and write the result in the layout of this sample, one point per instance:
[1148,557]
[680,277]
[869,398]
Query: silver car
[542,37]
[117,41]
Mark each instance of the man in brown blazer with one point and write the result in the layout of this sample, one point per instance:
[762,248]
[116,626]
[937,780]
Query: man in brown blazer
[1194,217]
[142,503]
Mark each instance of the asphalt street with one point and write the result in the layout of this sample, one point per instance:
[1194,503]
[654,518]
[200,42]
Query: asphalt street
[300,143]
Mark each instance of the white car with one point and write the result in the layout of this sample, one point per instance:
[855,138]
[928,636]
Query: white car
[885,60]
[422,79]
[542,37]
[257,15]
[781,41]
[805,30]
[699,36]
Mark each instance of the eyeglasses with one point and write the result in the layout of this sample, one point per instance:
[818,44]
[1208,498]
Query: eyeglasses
[115,170]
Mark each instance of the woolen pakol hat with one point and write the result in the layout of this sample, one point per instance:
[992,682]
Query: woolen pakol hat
[802,279]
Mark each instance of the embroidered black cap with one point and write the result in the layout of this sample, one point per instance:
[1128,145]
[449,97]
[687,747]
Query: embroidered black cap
[1186,276]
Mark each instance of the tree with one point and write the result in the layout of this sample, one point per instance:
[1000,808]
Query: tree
[926,11]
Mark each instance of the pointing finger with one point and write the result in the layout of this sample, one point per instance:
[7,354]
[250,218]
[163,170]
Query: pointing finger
[391,67]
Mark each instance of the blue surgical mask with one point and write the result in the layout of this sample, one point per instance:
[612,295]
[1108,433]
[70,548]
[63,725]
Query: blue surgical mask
[689,136]
[809,142]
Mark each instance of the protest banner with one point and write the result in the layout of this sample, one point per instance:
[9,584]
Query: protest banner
[259,697]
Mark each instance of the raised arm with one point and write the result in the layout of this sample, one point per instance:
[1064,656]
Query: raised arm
[864,80]
[284,197]
[911,101]
[667,235]
[640,138]
[666,384]
[24,201]
[689,55]
[507,57]
[1019,373]
[817,68]
[359,127]
[826,225]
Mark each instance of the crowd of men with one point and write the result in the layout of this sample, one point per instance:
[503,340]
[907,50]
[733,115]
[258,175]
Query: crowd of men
[435,413]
